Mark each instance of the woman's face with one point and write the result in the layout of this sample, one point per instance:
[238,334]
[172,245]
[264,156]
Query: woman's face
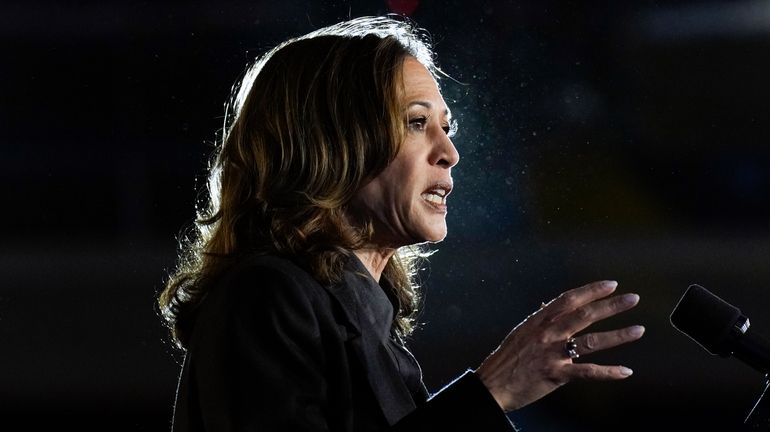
[408,200]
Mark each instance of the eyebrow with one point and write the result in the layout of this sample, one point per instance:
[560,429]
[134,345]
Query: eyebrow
[429,105]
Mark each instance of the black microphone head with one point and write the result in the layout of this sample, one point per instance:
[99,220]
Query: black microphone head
[707,319]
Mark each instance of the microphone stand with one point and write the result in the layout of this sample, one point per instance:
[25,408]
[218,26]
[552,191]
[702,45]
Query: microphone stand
[759,416]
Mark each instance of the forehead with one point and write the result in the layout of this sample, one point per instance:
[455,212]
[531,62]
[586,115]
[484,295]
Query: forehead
[420,84]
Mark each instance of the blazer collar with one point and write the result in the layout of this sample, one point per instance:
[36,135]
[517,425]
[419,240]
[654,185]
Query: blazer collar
[369,316]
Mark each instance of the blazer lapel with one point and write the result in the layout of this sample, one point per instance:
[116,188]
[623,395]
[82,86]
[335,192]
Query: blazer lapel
[381,372]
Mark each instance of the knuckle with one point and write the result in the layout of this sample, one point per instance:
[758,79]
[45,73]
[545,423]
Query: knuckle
[541,340]
[550,371]
[594,372]
[603,373]
[560,381]
[588,372]
[569,297]
[582,314]
[591,342]
[598,372]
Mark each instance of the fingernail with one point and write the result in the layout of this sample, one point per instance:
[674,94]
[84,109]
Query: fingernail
[625,371]
[636,331]
[609,285]
[630,299]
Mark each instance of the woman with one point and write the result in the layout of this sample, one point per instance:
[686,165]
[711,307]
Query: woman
[294,298]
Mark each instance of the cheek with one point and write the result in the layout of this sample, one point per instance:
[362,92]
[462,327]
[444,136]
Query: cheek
[403,187]
[397,180]
[385,196]
[393,196]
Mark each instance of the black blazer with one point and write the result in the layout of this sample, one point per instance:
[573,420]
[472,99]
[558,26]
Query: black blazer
[274,350]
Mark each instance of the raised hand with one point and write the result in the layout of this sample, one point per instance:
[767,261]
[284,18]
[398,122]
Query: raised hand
[535,359]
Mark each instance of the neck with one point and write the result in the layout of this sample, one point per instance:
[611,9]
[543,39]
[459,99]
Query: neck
[374,260]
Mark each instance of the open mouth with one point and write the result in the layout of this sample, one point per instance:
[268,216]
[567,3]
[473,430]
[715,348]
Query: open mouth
[437,193]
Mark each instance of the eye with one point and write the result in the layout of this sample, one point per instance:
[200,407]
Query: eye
[450,129]
[418,124]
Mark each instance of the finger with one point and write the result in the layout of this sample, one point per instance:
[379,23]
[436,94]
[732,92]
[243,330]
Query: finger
[592,342]
[595,372]
[574,321]
[574,298]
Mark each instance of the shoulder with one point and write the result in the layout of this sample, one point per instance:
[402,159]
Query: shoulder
[262,285]
[266,276]
[261,310]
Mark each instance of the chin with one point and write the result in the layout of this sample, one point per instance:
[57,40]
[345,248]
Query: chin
[425,233]
[435,235]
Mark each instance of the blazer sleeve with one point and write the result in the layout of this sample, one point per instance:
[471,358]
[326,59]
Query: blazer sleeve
[464,404]
[257,357]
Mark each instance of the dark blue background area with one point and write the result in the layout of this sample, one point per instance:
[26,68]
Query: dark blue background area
[622,141]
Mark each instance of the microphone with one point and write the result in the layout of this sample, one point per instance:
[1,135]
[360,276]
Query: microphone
[720,328]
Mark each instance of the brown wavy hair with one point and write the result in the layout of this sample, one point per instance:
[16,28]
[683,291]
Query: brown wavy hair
[312,121]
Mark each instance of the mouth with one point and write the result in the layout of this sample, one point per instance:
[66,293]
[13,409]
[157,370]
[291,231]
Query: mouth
[437,193]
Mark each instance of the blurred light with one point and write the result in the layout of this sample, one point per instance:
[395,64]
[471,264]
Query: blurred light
[705,20]
[403,7]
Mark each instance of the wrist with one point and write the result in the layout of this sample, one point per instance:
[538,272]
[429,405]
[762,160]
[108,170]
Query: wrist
[497,394]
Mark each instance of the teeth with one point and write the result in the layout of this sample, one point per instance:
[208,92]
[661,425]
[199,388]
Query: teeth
[439,192]
[434,198]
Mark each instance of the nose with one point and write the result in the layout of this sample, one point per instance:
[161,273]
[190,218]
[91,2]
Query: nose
[445,153]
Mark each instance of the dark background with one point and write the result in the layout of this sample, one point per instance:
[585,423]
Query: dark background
[599,140]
